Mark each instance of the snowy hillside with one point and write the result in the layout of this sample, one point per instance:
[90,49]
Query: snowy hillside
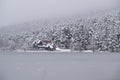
[96,32]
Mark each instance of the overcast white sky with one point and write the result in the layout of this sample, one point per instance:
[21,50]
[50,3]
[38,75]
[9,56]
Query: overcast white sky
[17,11]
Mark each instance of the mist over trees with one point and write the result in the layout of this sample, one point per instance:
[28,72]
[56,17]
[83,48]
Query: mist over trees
[97,33]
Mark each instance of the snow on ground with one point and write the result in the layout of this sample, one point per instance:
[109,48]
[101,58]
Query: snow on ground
[63,50]
[47,66]
[88,51]
[57,50]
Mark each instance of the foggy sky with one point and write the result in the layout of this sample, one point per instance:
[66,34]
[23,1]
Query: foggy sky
[17,11]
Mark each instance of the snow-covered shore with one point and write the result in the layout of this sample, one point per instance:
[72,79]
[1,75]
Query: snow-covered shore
[58,50]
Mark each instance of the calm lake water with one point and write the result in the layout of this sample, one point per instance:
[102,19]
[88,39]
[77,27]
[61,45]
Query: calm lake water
[59,66]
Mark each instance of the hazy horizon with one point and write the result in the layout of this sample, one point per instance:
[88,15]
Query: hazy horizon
[18,11]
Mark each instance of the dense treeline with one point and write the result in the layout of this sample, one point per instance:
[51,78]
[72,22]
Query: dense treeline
[100,33]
